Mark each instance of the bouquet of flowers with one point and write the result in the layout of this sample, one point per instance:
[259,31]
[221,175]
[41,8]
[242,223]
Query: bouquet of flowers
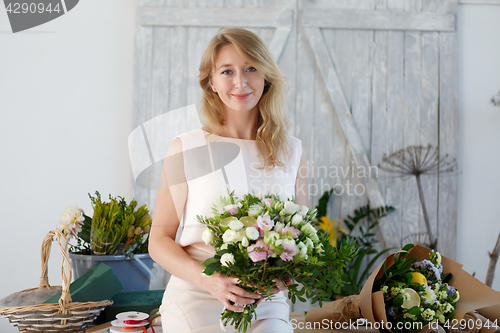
[261,238]
[416,292]
[415,288]
[116,228]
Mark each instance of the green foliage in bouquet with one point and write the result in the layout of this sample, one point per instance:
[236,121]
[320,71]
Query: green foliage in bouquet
[116,228]
[416,292]
[259,239]
[360,228]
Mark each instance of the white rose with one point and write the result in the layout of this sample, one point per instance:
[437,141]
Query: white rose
[296,219]
[229,236]
[291,207]
[239,235]
[235,225]
[265,223]
[270,237]
[288,241]
[245,241]
[252,233]
[223,247]
[207,236]
[303,210]
[226,259]
[278,226]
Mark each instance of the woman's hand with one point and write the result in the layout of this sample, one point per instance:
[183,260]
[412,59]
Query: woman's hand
[279,287]
[226,290]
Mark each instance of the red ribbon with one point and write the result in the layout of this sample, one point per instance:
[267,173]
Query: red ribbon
[134,322]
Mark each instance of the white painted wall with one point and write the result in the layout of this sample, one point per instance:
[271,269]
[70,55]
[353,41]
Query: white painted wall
[66,94]
[479,137]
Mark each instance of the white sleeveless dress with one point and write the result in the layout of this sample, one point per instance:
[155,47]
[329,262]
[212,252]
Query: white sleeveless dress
[213,164]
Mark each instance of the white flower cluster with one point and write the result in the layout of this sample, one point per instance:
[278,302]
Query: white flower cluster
[70,223]
[437,300]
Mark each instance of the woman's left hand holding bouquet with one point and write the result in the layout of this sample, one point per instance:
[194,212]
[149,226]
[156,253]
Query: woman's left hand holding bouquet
[226,290]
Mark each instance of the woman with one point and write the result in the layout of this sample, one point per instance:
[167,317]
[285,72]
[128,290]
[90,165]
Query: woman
[245,147]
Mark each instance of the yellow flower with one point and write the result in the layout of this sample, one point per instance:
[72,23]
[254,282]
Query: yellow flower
[332,228]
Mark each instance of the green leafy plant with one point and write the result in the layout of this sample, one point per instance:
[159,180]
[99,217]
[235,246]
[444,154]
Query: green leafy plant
[361,228]
[365,220]
[116,228]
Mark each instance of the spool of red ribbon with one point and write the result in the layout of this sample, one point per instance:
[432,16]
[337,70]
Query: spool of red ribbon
[132,322]
[139,321]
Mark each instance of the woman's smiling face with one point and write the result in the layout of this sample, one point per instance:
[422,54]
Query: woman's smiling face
[238,84]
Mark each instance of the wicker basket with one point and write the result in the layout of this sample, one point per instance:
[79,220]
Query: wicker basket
[64,316]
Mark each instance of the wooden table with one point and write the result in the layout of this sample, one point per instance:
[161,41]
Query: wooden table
[296,319]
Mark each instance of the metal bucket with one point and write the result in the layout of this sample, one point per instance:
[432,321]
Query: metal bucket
[134,274]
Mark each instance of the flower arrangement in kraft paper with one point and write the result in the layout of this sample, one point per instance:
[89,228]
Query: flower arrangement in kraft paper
[116,228]
[260,238]
[412,289]
[416,291]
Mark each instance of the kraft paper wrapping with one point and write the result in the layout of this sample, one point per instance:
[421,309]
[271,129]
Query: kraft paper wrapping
[491,312]
[342,310]
[470,324]
[488,326]
[473,322]
[473,295]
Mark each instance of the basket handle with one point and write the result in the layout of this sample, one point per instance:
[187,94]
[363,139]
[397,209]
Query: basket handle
[63,245]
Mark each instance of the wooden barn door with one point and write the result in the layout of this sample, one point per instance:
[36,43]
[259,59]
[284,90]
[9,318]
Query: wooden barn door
[366,77]
[385,75]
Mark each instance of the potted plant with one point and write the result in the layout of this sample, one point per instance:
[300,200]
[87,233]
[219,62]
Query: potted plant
[116,235]
[360,228]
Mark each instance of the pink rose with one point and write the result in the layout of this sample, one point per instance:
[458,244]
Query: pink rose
[233,209]
[293,231]
[268,201]
[265,223]
[290,252]
[258,252]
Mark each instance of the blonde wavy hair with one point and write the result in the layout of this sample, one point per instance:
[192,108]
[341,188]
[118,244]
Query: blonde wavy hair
[272,123]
